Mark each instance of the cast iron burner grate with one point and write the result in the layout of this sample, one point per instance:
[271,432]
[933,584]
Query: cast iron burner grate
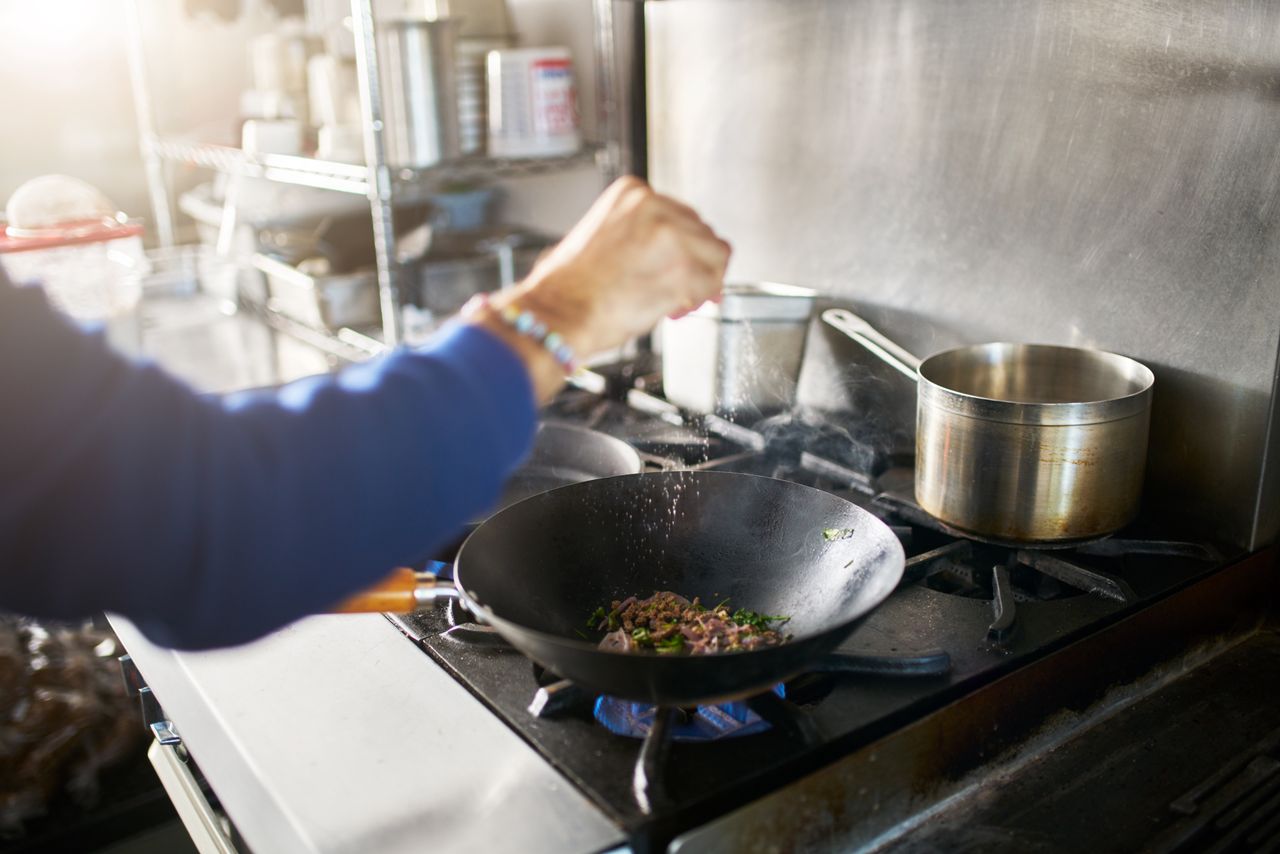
[781,708]
[1007,575]
[658,727]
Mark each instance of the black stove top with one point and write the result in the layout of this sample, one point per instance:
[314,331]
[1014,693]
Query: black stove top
[972,610]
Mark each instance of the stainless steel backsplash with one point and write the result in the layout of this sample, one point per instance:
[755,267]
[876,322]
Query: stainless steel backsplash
[1100,173]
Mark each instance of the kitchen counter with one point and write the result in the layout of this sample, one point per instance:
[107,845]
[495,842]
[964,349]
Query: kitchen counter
[336,734]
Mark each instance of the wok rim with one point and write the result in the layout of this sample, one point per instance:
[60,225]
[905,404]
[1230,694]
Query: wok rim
[489,616]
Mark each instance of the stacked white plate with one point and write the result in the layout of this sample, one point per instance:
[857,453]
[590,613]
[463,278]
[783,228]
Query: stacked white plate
[473,105]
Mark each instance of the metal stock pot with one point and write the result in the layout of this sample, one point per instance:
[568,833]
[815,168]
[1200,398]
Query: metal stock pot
[1024,443]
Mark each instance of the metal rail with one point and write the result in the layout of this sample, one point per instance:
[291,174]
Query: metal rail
[286,169]
[380,188]
[353,178]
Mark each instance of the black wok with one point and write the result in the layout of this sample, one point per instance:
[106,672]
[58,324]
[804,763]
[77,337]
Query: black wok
[537,569]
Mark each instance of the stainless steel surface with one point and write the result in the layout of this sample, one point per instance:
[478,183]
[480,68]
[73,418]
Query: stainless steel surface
[165,733]
[611,120]
[324,302]
[198,817]
[384,750]
[871,338]
[1099,174]
[1024,442]
[1077,482]
[768,301]
[567,453]
[426,595]
[741,357]
[421,93]
[378,173]
[447,280]
[282,168]
[352,178]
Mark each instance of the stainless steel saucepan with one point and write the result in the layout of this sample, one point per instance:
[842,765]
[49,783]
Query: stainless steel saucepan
[1024,443]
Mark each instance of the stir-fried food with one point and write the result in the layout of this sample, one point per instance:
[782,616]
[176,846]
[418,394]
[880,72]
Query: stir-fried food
[669,623]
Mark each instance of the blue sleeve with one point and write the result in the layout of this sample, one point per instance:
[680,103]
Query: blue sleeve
[212,521]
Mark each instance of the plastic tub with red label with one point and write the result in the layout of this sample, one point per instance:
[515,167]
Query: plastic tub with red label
[533,107]
[88,269]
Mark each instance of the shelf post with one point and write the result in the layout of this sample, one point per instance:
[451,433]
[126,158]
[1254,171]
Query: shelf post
[381,189]
[152,164]
[607,111]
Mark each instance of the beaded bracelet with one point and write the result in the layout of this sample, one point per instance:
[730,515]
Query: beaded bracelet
[527,323]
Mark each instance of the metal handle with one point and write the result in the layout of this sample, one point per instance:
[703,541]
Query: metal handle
[932,662]
[866,335]
[399,593]
[198,817]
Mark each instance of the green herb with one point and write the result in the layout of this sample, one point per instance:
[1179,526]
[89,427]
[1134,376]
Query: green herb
[756,620]
[849,564]
[580,633]
[673,644]
[599,615]
[669,639]
[832,534]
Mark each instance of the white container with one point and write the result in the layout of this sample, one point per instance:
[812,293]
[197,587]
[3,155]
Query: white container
[272,136]
[533,105]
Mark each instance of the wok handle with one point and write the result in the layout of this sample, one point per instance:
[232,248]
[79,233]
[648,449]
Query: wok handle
[866,335]
[933,662]
[399,593]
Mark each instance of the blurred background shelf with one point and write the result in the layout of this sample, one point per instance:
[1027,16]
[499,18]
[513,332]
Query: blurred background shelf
[354,178]
[304,171]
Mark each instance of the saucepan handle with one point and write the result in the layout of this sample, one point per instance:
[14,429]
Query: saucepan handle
[399,593]
[866,335]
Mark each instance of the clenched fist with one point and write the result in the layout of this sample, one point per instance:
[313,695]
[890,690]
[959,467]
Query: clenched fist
[636,257]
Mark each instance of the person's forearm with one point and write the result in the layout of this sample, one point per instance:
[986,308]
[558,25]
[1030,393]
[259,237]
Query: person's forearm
[211,521]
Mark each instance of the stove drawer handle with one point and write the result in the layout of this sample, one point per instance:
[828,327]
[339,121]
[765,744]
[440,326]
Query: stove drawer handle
[400,592]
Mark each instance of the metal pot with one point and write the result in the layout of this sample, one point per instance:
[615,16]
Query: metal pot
[740,357]
[1024,442]
[421,93]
